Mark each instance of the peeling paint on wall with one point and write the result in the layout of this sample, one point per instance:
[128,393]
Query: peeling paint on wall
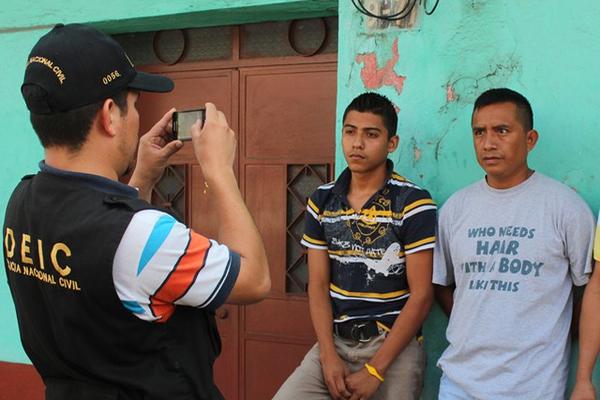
[450,94]
[374,77]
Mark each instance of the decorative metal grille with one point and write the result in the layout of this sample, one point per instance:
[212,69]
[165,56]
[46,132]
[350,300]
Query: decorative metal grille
[196,44]
[302,180]
[169,192]
[289,38]
[302,37]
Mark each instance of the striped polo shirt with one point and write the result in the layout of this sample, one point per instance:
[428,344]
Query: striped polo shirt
[367,247]
[160,263]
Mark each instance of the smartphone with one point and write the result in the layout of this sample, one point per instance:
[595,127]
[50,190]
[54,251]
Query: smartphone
[183,121]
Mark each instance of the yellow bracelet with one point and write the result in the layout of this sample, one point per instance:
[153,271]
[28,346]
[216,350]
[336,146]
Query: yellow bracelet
[373,371]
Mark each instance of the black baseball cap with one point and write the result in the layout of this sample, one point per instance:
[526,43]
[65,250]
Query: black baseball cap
[75,65]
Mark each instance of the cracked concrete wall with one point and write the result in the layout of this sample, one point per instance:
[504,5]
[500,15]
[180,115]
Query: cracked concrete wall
[434,71]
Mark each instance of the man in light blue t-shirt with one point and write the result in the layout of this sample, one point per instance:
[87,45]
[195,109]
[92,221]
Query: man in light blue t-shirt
[510,248]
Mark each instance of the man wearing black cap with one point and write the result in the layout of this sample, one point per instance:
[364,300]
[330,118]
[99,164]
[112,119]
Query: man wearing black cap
[114,297]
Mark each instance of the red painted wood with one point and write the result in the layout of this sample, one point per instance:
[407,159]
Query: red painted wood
[287,116]
[20,382]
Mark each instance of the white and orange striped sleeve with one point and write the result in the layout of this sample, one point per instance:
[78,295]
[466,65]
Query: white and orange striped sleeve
[160,264]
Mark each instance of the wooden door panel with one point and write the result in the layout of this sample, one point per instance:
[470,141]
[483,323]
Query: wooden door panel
[265,191]
[202,219]
[226,367]
[289,113]
[267,366]
[20,381]
[287,319]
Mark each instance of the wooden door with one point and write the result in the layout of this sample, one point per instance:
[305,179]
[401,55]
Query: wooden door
[287,127]
[285,120]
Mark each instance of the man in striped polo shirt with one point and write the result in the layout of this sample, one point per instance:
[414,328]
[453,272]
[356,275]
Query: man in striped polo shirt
[369,236]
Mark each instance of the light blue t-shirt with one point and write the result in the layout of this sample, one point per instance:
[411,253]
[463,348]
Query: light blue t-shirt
[514,256]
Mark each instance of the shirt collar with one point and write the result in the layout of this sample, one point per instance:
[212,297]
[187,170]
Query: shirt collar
[342,184]
[95,182]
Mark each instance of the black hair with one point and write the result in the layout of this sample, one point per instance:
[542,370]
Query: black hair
[71,128]
[378,105]
[504,95]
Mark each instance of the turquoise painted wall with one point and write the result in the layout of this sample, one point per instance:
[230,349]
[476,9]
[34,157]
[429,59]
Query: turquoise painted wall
[18,156]
[542,48]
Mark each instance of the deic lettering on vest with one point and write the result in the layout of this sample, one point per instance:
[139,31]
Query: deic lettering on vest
[69,284]
[13,266]
[33,263]
[41,275]
[9,237]
[25,240]
[63,271]
[58,251]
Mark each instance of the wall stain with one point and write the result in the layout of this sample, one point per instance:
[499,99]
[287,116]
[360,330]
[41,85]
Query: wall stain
[416,151]
[465,89]
[438,141]
[374,77]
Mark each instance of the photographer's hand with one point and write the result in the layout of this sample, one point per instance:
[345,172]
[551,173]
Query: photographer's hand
[154,150]
[214,144]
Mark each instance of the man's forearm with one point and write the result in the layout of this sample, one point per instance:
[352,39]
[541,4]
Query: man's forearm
[589,334]
[237,229]
[322,317]
[445,297]
[403,331]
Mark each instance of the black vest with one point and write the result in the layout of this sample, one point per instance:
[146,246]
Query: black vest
[60,238]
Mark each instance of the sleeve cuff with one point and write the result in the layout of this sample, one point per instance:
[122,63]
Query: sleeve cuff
[227,282]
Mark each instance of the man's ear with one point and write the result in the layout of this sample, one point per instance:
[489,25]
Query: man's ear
[532,138]
[109,117]
[393,143]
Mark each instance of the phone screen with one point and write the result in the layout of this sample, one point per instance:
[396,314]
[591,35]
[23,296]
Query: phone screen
[183,121]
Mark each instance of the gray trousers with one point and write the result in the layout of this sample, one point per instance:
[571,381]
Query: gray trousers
[403,379]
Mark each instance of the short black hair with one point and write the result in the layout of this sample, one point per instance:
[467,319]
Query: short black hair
[504,95]
[71,128]
[378,105]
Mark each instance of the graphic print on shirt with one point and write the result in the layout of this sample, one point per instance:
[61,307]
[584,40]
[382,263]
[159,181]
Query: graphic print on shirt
[367,248]
[497,265]
[368,243]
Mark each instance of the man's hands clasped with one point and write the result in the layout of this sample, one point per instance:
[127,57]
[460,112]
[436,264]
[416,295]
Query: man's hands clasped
[343,385]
